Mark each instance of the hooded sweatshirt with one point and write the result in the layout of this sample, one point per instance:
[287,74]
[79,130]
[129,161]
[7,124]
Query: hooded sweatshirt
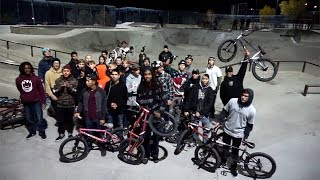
[50,80]
[200,98]
[240,114]
[132,84]
[31,89]
[43,66]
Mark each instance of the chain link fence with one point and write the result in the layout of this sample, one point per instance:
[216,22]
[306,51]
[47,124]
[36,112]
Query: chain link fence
[65,13]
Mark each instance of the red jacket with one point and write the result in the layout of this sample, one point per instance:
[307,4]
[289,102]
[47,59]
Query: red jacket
[31,89]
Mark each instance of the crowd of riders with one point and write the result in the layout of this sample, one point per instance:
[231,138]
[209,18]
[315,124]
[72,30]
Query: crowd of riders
[99,91]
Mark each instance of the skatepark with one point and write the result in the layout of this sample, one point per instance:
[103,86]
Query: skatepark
[287,125]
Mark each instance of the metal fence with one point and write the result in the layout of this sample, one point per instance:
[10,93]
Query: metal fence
[55,12]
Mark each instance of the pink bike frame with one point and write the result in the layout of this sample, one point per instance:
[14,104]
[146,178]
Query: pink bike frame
[103,139]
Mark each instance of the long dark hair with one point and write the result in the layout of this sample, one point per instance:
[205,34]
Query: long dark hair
[154,84]
[22,65]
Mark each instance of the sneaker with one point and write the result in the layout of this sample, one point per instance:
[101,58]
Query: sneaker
[61,136]
[43,136]
[29,136]
[155,159]
[234,173]
[145,160]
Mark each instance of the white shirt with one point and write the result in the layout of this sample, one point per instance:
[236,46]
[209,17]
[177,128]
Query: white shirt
[214,73]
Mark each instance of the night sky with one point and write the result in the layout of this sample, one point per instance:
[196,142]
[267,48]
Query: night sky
[219,6]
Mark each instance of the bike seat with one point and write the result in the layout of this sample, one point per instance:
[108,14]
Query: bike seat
[250,145]
[262,50]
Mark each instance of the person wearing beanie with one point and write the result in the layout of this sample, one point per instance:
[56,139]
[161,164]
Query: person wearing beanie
[45,64]
[194,79]
[50,78]
[166,56]
[240,116]
[65,90]
[232,85]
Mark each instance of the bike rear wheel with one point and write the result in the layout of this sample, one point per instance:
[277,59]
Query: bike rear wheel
[73,149]
[207,158]
[131,151]
[164,126]
[256,164]
[227,50]
[185,136]
[264,70]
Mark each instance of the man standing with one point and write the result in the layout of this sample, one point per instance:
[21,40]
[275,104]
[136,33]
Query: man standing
[73,62]
[65,89]
[92,104]
[239,123]
[232,85]
[33,98]
[166,84]
[45,64]
[50,78]
[117,96]
[215,79]
[166,56]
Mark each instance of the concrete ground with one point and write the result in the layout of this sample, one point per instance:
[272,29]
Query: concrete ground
[287,128]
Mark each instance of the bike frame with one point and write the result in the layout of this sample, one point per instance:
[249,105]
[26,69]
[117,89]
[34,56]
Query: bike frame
[241,38]
[144,114]
[194,128]
[105,132]
[243,150]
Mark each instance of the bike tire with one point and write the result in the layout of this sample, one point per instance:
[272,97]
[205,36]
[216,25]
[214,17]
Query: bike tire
[12,118]
[181,141]
[256,174]
[77,139]
[118,135]
[123,152]
[229,42]
[162,129]
[207,166]
[263,61]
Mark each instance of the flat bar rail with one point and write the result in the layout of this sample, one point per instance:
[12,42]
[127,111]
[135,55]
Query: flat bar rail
[306,88]
[31,47]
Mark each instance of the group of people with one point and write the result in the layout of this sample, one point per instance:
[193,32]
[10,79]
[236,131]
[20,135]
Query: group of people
[100,93]
[244,24]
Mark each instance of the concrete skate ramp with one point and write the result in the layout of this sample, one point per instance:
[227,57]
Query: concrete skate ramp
[198,42]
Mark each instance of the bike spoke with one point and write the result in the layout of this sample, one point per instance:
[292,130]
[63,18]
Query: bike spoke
[260,165]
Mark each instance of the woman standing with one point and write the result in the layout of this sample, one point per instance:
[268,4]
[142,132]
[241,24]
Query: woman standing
[149,95]
[102,69]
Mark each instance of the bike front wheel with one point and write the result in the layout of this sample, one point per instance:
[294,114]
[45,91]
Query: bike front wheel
[207,158]
[227,50]
[260,165]
[73,149]
[182,141]
[164,126]
[264,70]
[131,151]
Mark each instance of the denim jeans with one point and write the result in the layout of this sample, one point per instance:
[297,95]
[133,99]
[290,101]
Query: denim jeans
[116,119]
[206,122]
[34,116]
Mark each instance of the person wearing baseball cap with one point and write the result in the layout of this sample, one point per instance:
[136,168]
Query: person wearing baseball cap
[166,56]
[232,85]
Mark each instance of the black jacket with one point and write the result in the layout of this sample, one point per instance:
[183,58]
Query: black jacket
[188,85]
[192,101]
[231,87]
[164,56]
[116,93]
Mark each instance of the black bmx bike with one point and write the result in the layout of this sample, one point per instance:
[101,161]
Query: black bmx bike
[258,165]
[263,69]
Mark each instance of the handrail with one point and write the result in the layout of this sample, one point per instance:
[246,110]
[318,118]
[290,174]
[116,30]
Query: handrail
[31,47]
[306,87]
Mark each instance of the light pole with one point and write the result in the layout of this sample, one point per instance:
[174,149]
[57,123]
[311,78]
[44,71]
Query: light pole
[34,21]
[277,6]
